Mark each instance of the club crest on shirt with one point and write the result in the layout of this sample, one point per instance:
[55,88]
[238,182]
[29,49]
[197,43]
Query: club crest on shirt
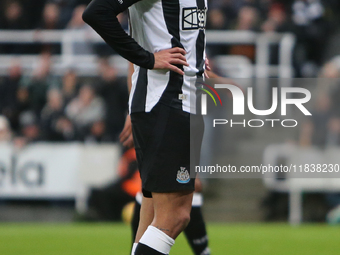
[194,18]
[183,175]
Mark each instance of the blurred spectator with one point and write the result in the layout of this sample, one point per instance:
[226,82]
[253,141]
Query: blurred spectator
[55,126]
[69,86]
[331,74]
[323,128]
[5,130]
[13,16]
[312,30]
[50,17]
[333,138]
[331,69]
[277,20]
[50,20]
[248,18]
[217,20]
[8,93]
[30,131]
[66,9]
[98,133]
[226,7]
[77,23]
[85,110]
[22,104]
[41,81]
[113,90]
[306,11]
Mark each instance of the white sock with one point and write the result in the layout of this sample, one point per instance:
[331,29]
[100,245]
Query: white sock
[157,240]
[134,246]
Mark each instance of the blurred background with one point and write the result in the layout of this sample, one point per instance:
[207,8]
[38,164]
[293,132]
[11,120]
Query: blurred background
[63,103]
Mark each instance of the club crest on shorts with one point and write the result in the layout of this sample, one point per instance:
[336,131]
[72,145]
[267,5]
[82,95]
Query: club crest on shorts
[183,175]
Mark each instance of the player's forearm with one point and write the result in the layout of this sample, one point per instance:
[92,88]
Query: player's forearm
[211,74]
[129,76]
[101,15]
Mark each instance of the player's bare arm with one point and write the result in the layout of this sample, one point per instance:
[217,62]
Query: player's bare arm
[125,136]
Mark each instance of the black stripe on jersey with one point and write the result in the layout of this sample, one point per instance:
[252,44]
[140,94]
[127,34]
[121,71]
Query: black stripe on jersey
[200,43]
[139,96]
[171,12]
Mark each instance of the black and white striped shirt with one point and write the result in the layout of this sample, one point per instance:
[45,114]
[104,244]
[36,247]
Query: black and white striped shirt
[156,25]
[162,24]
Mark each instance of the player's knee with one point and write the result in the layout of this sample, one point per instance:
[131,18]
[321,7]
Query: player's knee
[184,219]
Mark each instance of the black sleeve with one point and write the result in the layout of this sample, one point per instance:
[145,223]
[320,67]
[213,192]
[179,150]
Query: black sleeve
[101,15]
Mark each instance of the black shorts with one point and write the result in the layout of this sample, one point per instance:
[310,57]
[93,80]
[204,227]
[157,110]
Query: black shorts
[162,142]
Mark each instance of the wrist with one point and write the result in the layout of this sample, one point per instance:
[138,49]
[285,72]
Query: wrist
[151,64]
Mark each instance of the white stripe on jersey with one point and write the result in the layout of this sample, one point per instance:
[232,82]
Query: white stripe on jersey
[151,30]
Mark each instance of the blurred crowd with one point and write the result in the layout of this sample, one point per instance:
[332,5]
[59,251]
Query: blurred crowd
[312,21]
[58,109]
[322,129]
[69,108]
[38,14]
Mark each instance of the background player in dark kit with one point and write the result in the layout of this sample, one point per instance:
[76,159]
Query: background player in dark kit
[167,213]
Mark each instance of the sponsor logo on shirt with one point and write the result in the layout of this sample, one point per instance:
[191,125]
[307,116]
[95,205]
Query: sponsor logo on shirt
[194,18]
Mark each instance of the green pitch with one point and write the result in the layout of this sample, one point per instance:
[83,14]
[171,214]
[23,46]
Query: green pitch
[114,239]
